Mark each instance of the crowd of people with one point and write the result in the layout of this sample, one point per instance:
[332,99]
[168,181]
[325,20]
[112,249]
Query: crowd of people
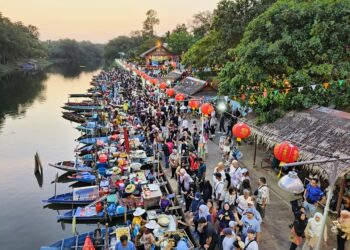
[222,210]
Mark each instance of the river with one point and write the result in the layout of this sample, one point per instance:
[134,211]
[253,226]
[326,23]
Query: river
[30,122]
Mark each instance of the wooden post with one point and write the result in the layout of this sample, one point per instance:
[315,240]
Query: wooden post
[255,146]
[106,237]
[340,195]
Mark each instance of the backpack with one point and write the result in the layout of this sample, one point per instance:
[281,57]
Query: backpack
[170,149]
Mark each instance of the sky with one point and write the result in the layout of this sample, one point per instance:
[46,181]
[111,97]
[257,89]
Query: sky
[99,20]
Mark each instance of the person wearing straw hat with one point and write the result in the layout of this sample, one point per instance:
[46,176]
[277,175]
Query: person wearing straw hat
[148,238]
[138,216]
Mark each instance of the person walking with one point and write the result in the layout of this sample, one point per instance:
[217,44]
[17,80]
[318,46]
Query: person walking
[297,231]
[313,232]
[262,196]
[312,195]
[222,124]
[219,189]
[342,226]
[174,162]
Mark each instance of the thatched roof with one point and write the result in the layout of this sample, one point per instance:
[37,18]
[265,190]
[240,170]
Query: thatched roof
[174,76]
[319,132]
[162,46]
[192,86]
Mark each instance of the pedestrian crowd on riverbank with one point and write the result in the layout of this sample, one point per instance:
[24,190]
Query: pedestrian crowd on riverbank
[223,210]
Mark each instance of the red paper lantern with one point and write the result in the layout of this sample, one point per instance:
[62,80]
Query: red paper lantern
[207,108]
[98,207]
[102,158]
[170,92]
[241,131]
[162,85]
[154,81]
[194,104]
[180,97]
[286,152]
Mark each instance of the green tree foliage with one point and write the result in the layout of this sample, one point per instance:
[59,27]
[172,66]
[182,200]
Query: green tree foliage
[201,23]
[18,41]
[205,52]
[293,44]
[228,23]
[149,23]
[71,51]
[180,40]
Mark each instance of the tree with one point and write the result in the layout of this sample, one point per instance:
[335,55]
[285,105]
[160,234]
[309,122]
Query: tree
[180,40]
[120,46]
[228,23]
[201,23]
[293,44]
[149,23]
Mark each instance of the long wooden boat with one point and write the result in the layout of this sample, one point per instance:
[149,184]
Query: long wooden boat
[71,166]
[79,196]
[92,140]
[85,177]
[77,242]
[73,117]
[82,107]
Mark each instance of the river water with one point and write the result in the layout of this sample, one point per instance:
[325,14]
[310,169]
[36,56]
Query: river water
[30,122]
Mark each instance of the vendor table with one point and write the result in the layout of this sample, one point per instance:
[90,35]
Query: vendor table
[152,198]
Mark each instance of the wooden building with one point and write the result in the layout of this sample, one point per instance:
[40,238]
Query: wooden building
[159,56]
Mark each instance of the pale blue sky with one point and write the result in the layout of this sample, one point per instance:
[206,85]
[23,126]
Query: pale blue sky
[99,20]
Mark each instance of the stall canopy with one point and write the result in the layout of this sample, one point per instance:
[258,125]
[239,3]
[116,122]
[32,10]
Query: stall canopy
[319,133]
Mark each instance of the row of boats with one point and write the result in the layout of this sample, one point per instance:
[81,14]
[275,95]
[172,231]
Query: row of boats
[114,172]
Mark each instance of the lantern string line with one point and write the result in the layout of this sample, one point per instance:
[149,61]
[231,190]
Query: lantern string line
[278,136]
[201,99]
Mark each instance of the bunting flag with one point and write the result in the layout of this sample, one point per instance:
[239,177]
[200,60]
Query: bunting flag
[340,82]
[326,85]
[300,89]
[243,97]
[313,86]
[275,92]
[287,91]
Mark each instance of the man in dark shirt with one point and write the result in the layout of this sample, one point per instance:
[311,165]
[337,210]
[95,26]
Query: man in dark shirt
[208,237]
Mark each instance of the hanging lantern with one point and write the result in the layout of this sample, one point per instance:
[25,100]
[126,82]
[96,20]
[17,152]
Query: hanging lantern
[162,85]
[102,158]
[98,207]
[207,108]
[286,152]
[194,104]
[170,92]
[180,97]
[241,131]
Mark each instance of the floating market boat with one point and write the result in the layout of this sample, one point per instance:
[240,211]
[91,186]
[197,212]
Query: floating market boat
[71,166]
[82,240]
[93,140]
[79,196]
[85,177]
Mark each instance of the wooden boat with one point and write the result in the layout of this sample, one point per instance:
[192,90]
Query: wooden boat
[82,107]
[87,95]
[73,117]
[79,196]
[85,177]
[92,140]
[89,214]
[77,242]
[71,166]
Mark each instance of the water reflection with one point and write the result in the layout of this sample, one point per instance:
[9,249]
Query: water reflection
[18,91]
[71,70]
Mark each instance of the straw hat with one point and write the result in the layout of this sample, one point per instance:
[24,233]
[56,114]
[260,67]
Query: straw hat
[130,188]
[139,211]
[123,155]
[152,224]
[116,170]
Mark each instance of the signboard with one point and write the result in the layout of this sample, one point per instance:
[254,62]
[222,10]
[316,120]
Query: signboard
[85,193]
